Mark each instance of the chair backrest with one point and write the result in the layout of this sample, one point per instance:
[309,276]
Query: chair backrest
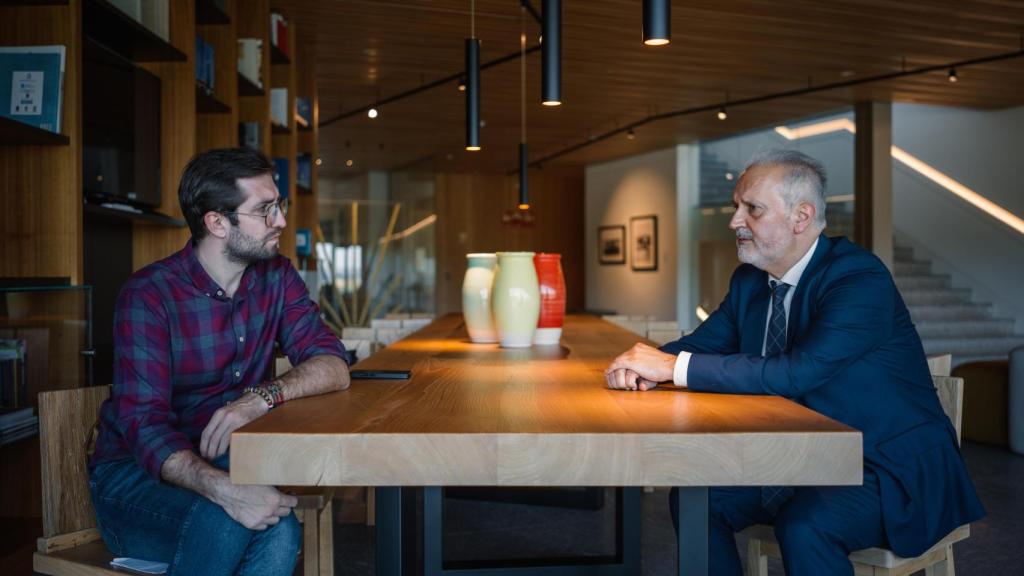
[951,396]
[940,364]
[66,422]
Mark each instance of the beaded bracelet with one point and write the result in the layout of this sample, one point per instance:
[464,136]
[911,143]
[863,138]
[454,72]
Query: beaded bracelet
[264,394]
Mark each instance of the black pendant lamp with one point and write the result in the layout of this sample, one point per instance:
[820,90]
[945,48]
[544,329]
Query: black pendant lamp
[524,180]
[551,53]
[657,22]
[472,85]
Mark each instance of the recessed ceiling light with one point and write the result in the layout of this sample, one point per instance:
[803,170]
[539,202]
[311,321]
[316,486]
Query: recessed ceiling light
[349,163]
[372,112]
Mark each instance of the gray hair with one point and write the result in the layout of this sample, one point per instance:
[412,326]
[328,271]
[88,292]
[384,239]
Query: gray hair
[804,180]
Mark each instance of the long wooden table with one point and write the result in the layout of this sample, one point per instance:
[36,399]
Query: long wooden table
[480,415]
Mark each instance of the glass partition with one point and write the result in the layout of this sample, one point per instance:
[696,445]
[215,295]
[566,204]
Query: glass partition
[376,255]
[45,341]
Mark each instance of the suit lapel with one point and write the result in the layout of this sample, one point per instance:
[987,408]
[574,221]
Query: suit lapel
[796,307]
[754,321]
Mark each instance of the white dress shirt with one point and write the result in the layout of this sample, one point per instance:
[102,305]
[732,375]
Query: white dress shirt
[791,277]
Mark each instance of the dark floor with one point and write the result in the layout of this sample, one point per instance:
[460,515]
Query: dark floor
[481,530]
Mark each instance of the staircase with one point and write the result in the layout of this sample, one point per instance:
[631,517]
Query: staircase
[947,320]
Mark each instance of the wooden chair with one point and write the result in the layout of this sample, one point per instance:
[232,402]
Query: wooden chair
[940,364]
[71,544]
[937,561]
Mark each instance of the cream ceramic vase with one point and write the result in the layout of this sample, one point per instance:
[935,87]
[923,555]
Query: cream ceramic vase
[515,299]
[476,297]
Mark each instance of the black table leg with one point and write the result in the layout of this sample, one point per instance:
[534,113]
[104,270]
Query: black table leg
[389,531]
[693,531]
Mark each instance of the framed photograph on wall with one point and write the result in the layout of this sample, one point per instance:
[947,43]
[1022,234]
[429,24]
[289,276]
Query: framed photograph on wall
[643,242]
[611,244]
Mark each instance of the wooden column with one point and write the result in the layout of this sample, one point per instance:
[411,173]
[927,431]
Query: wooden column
[873,179]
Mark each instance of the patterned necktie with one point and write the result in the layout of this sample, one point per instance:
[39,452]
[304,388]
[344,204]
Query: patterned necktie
[775,339]
[774,343]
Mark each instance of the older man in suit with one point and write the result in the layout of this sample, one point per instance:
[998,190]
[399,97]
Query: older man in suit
[820,321]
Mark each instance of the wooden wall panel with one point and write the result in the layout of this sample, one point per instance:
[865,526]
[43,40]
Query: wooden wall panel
[470,209]
[177,139]
[41,186]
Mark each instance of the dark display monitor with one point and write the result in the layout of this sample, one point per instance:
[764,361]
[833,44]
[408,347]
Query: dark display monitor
[121,129]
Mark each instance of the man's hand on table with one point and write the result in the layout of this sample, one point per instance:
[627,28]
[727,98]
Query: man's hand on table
[641,367]
[216,436]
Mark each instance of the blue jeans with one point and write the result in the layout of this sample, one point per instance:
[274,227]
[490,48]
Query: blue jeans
[816,528]
[139,517]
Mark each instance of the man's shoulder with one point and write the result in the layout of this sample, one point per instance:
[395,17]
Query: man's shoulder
[845,256]
[156,278]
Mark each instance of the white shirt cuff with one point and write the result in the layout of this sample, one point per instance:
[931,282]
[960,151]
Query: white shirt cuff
[679,372]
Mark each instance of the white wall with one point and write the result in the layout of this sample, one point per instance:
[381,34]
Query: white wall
[982,150]
[614,192]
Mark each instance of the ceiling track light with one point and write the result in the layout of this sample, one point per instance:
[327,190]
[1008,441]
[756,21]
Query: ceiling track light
[952,75]
[722,114]
[657,22]
[462,84]
[551,53]
[630,135]
[472,84]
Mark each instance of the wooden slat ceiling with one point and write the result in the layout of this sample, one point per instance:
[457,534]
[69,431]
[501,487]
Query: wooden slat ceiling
[368,49]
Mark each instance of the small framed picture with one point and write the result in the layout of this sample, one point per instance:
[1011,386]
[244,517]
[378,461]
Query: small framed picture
[643,241]
[611,244]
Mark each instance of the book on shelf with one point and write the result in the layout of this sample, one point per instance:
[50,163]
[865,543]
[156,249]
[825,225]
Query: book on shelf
[250,135]
[17,424]
[279,32]
[303,111]
[133,8]
[204,65]
[155,16]
[32,85]
[281,176]
[250,60]
[13,372]
[279,106]
[304,171]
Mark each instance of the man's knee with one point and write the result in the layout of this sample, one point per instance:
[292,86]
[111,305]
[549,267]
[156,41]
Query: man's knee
[286,534]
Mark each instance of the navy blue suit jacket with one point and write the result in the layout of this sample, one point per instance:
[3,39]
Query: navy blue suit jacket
[853,355]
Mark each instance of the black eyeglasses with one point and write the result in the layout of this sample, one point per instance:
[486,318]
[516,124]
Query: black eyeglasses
[269,214]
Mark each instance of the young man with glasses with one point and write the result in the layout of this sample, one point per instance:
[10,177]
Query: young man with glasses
[194,339]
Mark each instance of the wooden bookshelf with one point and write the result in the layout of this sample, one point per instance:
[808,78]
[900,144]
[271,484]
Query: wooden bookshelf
[254,105]
[13,132]
[220,129]
[41,190]
[208,13]
[41,200]
[305,214]
[285,139]
[119,32]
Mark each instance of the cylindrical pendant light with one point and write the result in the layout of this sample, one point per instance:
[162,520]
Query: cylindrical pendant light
[472,94]
[472,84]
[551,53]
[524,180]
[657,22]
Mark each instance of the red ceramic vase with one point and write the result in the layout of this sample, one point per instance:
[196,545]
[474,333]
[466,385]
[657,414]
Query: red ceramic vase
[552,299]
